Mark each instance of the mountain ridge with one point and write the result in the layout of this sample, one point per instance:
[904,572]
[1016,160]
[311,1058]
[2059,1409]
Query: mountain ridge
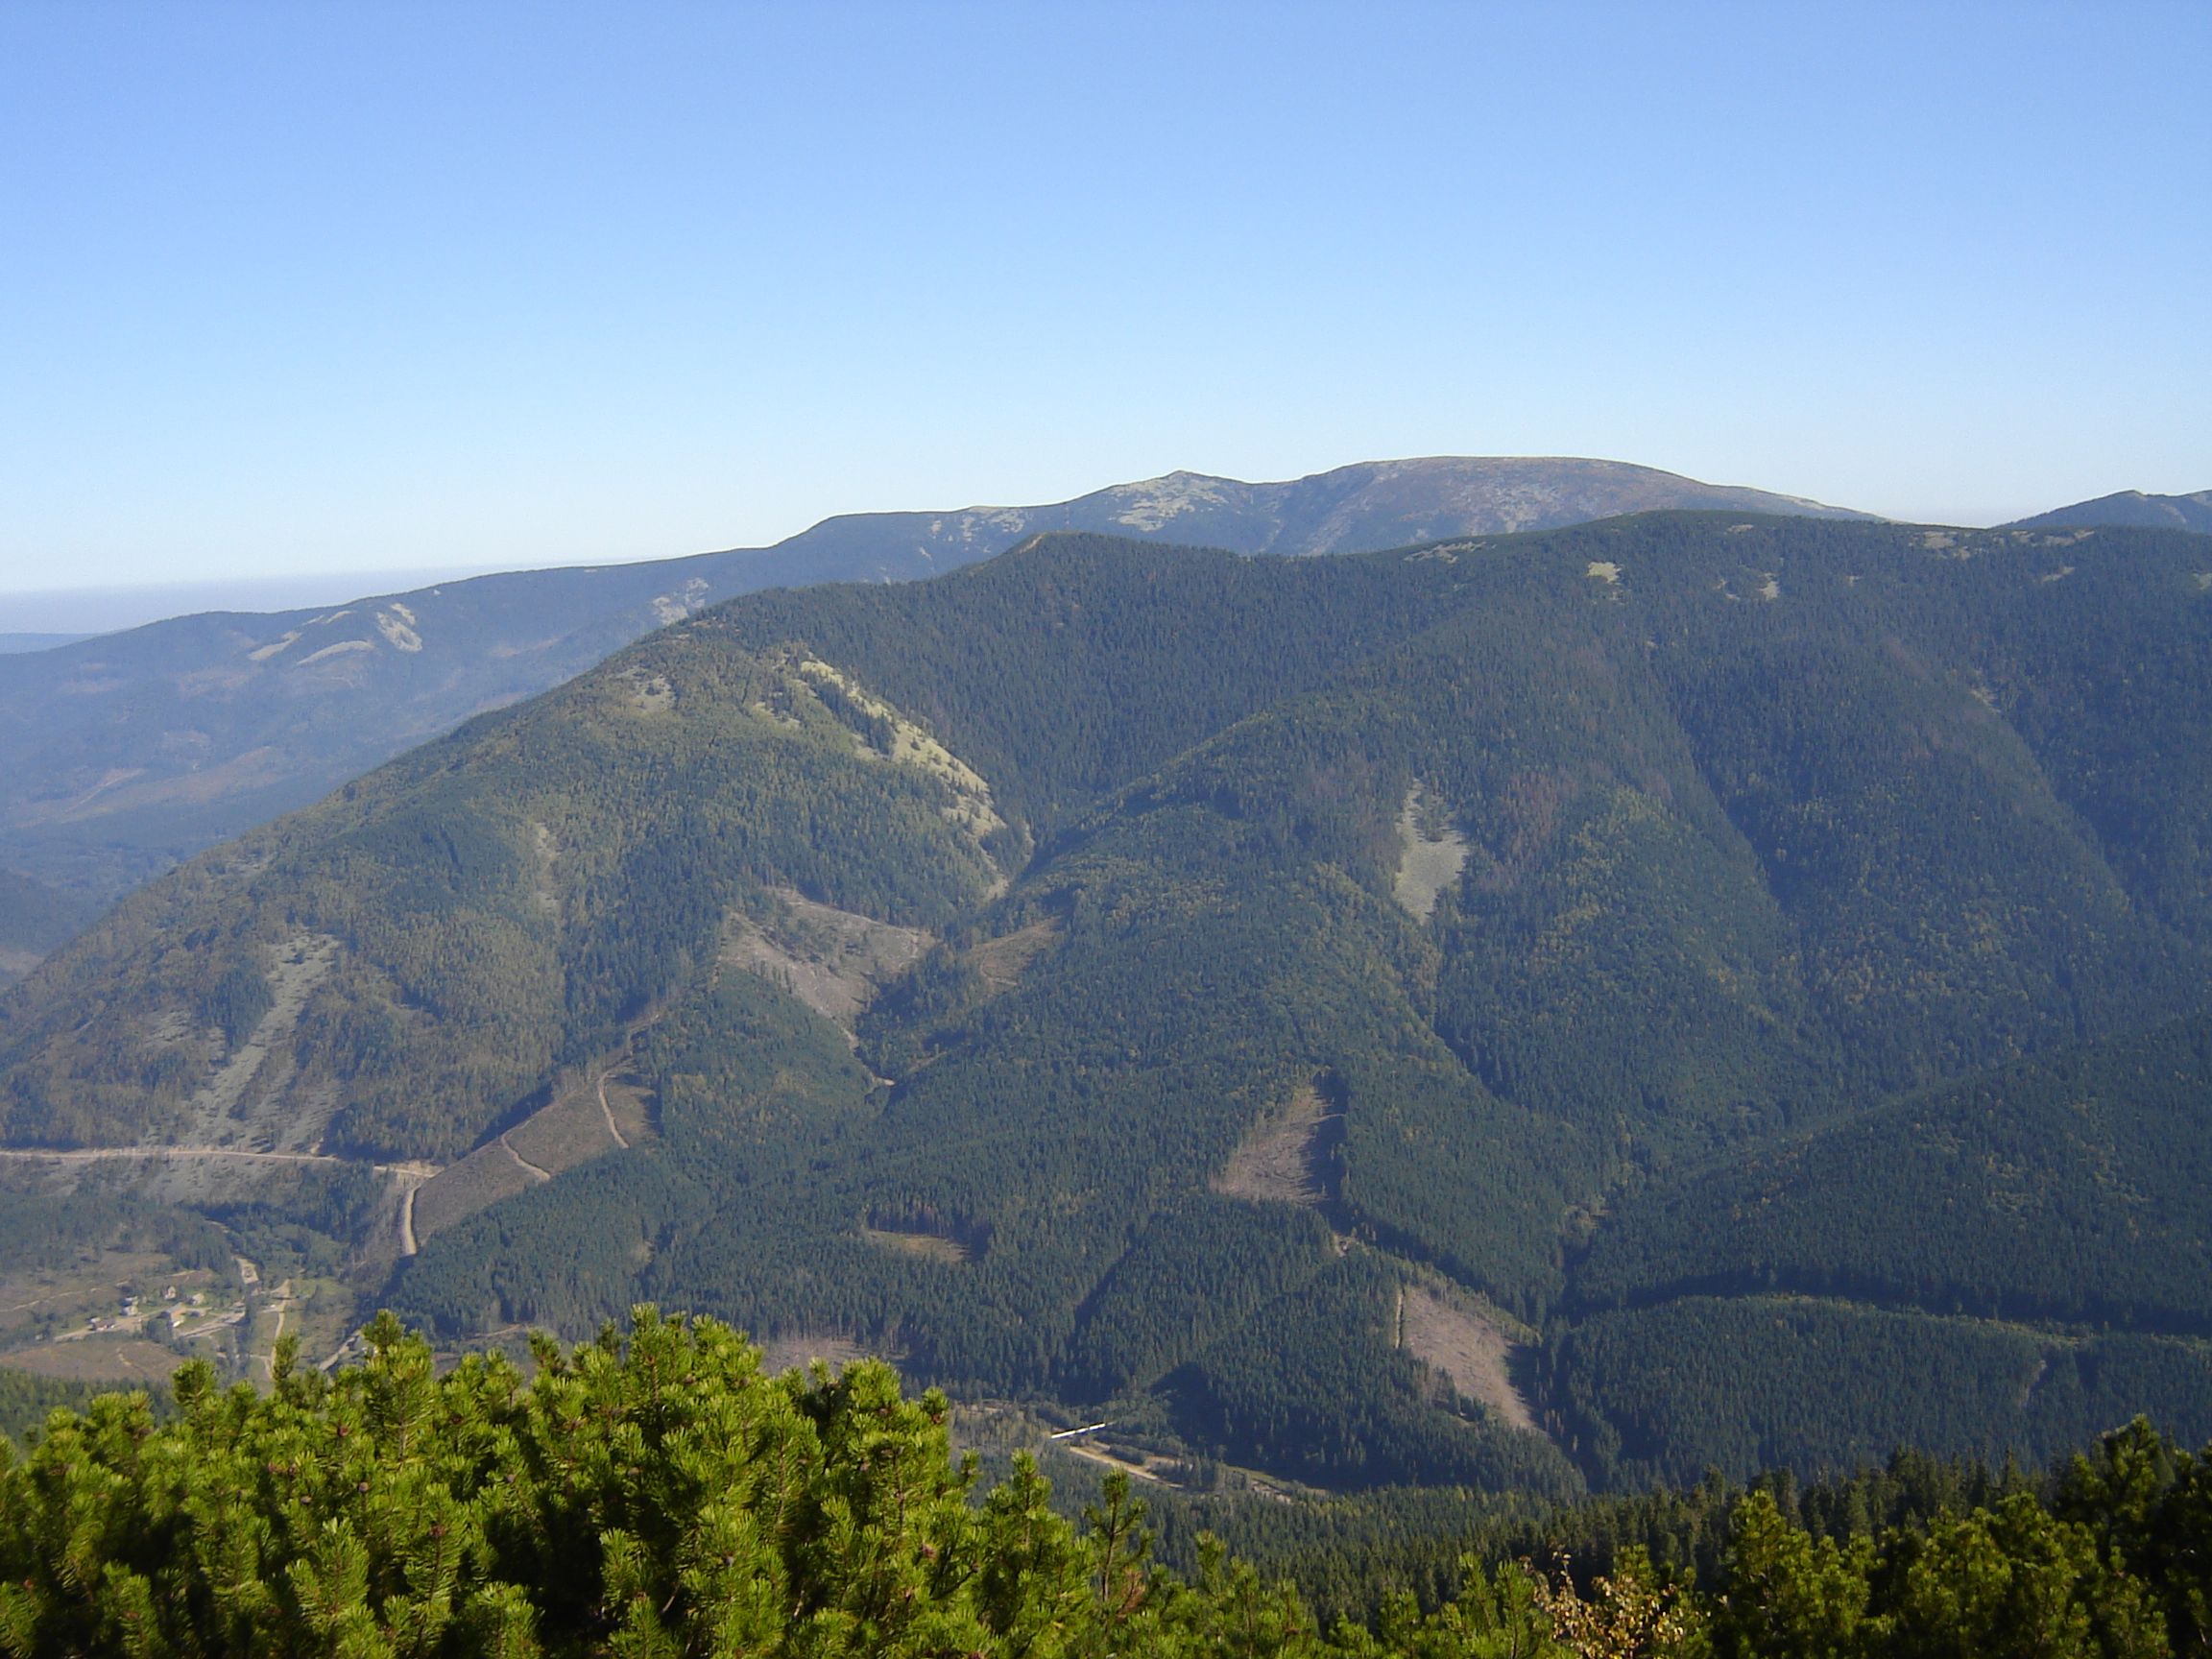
[124,753]
[2191,512]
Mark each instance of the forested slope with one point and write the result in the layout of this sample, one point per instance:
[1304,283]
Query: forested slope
[1627,930]
[121,755]
[34,919]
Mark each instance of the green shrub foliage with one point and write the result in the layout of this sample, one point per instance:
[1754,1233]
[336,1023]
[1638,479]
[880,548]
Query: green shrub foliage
[657,1494]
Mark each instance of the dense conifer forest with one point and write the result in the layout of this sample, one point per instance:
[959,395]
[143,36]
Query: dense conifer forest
[658,1492]
[1528,1014]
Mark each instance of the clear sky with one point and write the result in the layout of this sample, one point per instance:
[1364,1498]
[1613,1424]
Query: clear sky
[296,287]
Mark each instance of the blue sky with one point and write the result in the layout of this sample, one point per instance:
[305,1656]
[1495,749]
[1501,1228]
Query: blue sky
[339,287]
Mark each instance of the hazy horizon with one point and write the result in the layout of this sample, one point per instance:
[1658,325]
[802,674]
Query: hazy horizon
[79,610]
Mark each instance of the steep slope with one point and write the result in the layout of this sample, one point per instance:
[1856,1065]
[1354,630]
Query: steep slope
[34,920]
[2132,507]
[388,972]
[127,753]
[1306,938]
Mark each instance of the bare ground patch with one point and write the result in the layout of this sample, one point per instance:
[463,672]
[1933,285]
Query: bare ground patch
[1452,1339]
[1288,1156]
[832,960]
[224,1112]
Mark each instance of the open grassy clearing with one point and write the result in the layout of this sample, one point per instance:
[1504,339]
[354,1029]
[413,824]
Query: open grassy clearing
[131,1362]
[929,1246]
[62,1301]
[1434,852]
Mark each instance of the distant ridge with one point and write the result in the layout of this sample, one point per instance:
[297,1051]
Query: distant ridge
[2132,508]
[1356,509]
[122,754]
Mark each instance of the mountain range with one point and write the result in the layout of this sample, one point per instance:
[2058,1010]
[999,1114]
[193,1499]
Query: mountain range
[126,753]
[1523,1010]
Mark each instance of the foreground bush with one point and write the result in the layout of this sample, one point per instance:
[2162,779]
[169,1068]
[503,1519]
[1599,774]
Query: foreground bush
[661,1496]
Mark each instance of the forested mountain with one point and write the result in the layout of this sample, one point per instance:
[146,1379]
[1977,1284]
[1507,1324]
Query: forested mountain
[123,754]
[2190,511]
[34,919]
[1522,1011]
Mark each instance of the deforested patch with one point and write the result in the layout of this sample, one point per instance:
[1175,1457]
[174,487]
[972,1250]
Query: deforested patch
[188,1175]
[650,693]
[929,1246]
[1456,1340]
[544,848]
[246,1103]
[669,609]
[834,961]
[134,1362]
[388,1233]
[927,1234]
[327,652]
[796,1351]
[1289,1156]
[1433,852]
[1002,961]
[490,1173]
[262,653]
[129,789]
[598,1111]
